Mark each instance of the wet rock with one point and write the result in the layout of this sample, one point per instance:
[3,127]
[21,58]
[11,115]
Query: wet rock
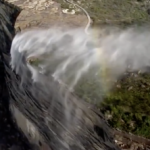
[148,11]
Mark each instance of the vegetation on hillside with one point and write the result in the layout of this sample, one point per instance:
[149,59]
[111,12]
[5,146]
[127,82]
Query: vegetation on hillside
[127,107]
[116,12]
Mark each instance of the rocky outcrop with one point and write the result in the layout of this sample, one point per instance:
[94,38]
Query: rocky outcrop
[10,136]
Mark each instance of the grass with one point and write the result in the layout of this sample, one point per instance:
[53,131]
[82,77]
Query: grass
[123,12]
[116,12]
[127,107]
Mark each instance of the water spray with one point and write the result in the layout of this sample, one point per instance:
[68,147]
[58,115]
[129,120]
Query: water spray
[69,55]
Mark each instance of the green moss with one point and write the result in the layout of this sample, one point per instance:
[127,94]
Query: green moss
[132,102]
[127,107]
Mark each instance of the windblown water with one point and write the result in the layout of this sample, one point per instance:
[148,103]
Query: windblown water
[70,54]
